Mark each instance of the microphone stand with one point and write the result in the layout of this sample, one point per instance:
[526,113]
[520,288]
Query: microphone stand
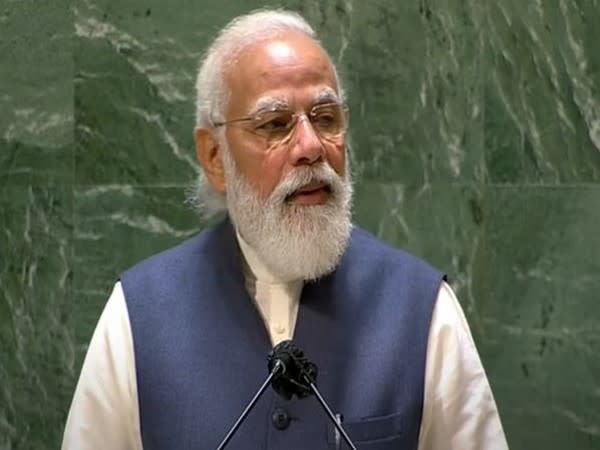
[278,367]
[299,379]
[291,373]
[329,412]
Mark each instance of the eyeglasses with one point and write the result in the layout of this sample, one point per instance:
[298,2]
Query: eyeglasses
[329,121]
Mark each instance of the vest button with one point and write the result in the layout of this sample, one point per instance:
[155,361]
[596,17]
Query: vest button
[281,419]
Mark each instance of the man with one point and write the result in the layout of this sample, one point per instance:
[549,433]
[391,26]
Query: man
[181,345]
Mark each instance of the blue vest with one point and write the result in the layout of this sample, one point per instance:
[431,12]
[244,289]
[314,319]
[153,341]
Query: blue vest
[200,348]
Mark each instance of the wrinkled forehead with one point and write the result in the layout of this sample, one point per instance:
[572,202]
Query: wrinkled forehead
[285,69]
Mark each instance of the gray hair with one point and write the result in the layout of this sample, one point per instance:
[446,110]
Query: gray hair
[212,93]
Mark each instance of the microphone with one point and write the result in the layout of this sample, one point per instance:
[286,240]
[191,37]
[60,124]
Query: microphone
[299,371]
[290,373]
[298,378]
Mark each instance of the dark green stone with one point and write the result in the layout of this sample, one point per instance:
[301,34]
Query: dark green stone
[536,319]
[475,132]
[38,367]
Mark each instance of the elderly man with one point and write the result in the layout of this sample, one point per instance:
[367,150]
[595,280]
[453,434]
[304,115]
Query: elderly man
[180,347]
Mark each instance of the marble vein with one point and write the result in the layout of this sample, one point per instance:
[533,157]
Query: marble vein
[581,423]
[155,119]
[150,224]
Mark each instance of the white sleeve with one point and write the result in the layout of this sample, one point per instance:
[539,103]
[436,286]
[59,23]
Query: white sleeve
[459,411]
[104,412]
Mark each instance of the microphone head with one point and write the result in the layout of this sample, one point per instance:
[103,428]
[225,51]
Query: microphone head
[297,374]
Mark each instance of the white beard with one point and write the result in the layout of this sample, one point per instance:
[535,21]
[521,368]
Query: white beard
[292,241]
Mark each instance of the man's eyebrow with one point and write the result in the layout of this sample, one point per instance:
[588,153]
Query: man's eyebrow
[326,96]
[269,104]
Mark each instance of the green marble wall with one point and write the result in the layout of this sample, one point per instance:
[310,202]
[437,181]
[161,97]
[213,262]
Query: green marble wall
[476,141]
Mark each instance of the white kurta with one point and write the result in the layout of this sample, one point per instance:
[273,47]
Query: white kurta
[459,411]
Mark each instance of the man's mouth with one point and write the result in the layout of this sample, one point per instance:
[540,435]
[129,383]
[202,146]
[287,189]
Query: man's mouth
[314,193]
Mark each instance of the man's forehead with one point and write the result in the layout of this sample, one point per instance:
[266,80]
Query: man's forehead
[279,48]
[289,69]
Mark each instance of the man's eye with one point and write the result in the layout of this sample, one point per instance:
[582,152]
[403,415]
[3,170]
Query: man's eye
[325,119]
[280,123]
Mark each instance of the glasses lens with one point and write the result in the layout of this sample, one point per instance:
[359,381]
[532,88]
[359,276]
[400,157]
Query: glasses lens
[329,121]
[275,125]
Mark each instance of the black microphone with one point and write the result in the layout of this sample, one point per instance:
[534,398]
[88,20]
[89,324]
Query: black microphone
[290,373]
[299,378]
[292,382]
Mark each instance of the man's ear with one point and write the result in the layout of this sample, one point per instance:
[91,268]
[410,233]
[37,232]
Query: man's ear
[208,153]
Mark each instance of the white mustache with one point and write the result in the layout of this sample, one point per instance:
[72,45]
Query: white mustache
[304,176]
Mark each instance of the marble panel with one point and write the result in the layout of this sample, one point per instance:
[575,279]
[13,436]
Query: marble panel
[37,350]
[537,320]
[542,92]
[36,74]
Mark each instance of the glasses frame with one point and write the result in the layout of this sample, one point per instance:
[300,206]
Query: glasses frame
[256,118]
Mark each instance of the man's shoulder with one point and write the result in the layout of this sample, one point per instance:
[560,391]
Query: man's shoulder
[179,255]
[369,248]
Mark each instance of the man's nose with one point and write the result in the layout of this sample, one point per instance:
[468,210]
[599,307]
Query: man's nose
[306,146]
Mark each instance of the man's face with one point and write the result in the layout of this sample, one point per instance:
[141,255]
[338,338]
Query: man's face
[289,195]
[289,71]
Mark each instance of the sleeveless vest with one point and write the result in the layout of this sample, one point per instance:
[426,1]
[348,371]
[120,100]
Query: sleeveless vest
[200,348]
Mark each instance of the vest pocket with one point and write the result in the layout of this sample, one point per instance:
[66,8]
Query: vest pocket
[374,433]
